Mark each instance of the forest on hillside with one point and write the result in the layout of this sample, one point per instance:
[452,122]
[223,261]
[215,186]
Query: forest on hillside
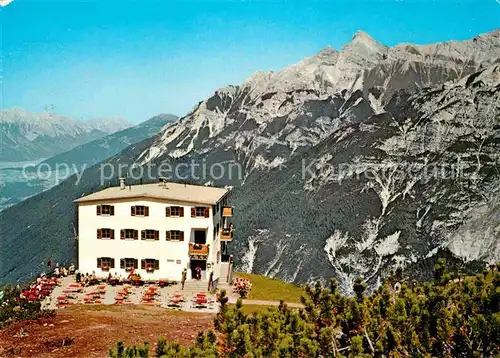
[450,316]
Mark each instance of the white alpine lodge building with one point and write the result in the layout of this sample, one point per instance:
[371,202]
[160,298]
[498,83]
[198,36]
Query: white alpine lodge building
[156,230]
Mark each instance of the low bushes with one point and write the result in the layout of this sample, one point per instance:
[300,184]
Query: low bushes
[13,308]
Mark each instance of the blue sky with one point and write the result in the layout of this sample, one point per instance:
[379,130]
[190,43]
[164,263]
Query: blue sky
[137,59]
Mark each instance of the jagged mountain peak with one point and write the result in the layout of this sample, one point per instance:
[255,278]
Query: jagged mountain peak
[361,37]
[363,50]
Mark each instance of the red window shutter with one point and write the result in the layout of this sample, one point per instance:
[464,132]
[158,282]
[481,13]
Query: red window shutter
[181,212]
[99,260]
[136,234]
[193,212]
[143,234]
[111,210]
[157,264]
[99,211]
[181,235]
[146,211]
[143,264]
[167,211]
[122,263]
[157,235]
[99,233]
[112,234]
[122,234]
[132,210]
[135,263]
[207,212]
[167,235]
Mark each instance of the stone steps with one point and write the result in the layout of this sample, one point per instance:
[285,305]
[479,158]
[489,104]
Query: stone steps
[194,286]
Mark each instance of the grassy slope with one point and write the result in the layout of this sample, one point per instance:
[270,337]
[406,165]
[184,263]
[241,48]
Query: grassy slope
[269,289]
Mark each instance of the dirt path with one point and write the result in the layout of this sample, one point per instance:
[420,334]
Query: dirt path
[265,303]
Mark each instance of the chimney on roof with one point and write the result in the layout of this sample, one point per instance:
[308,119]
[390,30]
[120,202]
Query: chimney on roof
[122,183]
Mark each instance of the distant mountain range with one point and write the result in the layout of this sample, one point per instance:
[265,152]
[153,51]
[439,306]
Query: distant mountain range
[342,159]
[18,185]
[29,136]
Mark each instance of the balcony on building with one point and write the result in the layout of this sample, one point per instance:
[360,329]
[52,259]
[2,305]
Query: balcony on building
[227,211]
[198,249]
[226,234]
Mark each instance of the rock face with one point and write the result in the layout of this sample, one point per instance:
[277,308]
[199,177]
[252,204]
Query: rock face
[28,136]
[349,163]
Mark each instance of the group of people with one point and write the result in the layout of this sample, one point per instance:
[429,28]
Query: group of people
[59,271]
[115,277]
[86,279]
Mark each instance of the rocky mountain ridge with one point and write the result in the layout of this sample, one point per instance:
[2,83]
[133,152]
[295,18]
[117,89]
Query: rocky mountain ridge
[17,184]
[30,136]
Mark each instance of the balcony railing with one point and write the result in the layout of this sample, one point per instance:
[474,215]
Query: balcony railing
[226,234]
[227,211]
[198,249]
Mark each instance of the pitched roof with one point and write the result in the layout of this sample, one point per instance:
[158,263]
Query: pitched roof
[166,191]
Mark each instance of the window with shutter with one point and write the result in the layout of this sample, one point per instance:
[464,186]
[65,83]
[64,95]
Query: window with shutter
[150,264]
[105,210]
[167,235]
[106,234]
[176,235]
[193,212]
[105,263]
[200,212]
[140,210]
[150,235]
[167,211]
[128,234]
[122,234]
[122,263]
[176,211]
[128,263]
[136,235]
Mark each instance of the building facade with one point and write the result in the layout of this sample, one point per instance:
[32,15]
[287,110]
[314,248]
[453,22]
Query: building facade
[155,230]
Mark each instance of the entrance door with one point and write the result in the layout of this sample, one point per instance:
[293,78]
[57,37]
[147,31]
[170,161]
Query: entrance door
[202,264]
